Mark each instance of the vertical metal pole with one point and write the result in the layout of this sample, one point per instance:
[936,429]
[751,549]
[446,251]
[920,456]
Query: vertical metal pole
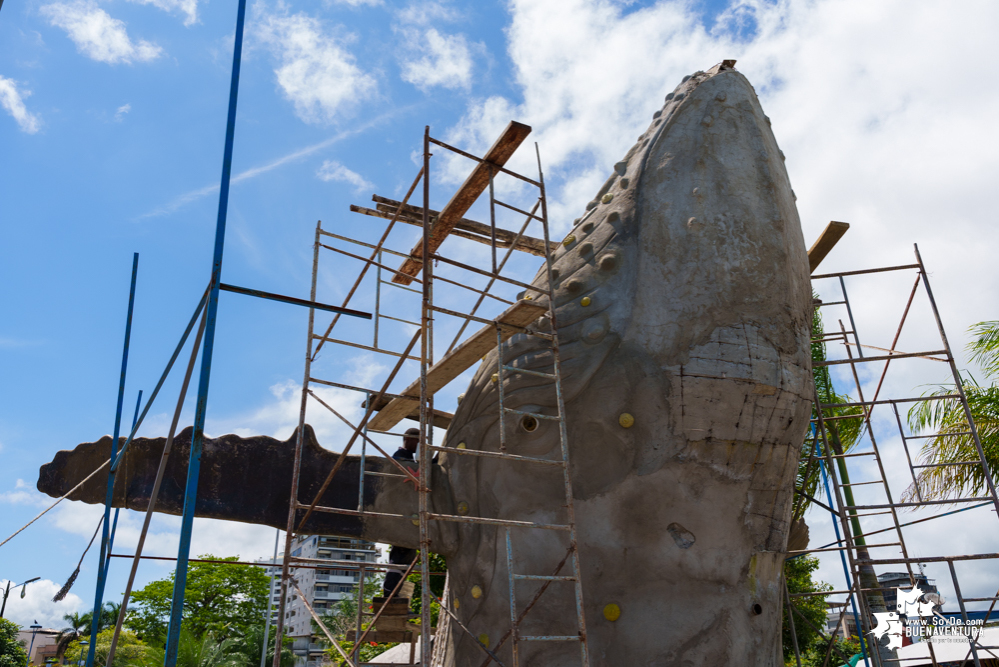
[513,599]
[425,414]
[360,612]
[378,295]
[364,449]
[106,535]
[201,408]
[964,612]
[790,620]
[297,463]
[563,433]
[492,218]
[849,312]
[957,382]
[499,386]
[114,524]
[270,599]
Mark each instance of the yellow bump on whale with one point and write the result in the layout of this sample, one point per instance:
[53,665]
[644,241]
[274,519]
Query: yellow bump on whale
[568,240]
[626,420]
[462,508]
[607,198]
[415,518]
[612,612]
[461,445]
[585,301]
[484,639]
[476,591]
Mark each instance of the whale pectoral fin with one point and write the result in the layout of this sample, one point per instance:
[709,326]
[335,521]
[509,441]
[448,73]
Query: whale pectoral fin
[241,479]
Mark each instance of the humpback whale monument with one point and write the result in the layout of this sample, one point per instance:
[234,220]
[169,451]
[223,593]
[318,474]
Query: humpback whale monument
[684,310]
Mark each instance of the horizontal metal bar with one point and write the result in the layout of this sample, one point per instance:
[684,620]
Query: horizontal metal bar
[403,287]
[849,592]
[383,474]
[852,454]
[344,564]
[553,418]
[490,275]
[944,465]
[887,357]
[494,455]
[295,302]
[936,435]
[876,481]
[368,260]
[362,243]
[927,559]
[514,208]
[363,390]
[338,510]
[889,401]
[550,638]
[472,289]
[362,347]
[830,303]
[863,271]
[859,546]
[496,522]
[919,504]
[542,577]
[478,159]
[396,319]
[527,372]
[979,599]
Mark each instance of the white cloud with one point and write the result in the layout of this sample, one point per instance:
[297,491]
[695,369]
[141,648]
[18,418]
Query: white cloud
[24,494]
[97,34]
[358,3]
[316,73]
[189,8]
[37,604]
[444,60]
[13,101]
[119,114]
[334,171]
[426,12]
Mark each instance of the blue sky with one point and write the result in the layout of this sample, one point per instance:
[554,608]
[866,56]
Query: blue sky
[112,125]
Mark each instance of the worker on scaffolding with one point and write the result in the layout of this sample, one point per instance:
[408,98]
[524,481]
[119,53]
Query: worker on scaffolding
[402,555]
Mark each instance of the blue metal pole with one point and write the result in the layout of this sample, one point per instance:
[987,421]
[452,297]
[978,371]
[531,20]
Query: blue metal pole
[197,439]
[842,556]
[114,525]
[105,535]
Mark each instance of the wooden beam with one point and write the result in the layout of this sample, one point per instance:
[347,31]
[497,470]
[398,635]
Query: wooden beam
[456,362]
[462,200]
[475,231]
[827,239]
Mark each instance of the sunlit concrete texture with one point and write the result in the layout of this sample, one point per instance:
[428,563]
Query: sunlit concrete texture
[683,311]
[683,301]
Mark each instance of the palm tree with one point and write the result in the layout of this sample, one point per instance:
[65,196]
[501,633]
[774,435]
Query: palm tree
[205,651]
[947,418]
[79,626]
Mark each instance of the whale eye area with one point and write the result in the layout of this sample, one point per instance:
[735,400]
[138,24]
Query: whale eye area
[757,609]
[529,423]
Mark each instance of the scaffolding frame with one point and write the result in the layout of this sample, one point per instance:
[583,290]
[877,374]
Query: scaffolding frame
[385,409]
[863,590]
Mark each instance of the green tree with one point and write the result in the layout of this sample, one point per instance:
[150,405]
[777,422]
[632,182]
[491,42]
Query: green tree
[342,617]
[79,626]
[812,646]
[130,651]
[842,433]
[221,599]
[249,644]
[12,653]
[206,651]
[947,417]
[439,566]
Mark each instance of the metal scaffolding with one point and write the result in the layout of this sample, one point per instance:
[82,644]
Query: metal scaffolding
[385,409]
[854,521]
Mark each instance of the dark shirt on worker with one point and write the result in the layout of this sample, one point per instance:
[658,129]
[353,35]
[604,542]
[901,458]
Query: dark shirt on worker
[403,454]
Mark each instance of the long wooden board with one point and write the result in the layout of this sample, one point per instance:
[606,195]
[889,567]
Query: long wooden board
[455,363]
[455,209]
[827,239]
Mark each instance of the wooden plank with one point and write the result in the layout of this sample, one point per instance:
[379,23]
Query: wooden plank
[441,419]
[530,244]
[456,362]
[462,200]
[827,239]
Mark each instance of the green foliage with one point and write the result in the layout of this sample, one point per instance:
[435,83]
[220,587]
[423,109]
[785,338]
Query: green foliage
[207,651]
[842,433]
[130,651]
[342,617]
[947,417]
[223,600]
[811,645]
[439,565]
[12,653]
[80,625]
[248,646]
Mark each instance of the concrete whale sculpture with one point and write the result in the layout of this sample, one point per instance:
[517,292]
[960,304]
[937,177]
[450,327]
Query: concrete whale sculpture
[684,311]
